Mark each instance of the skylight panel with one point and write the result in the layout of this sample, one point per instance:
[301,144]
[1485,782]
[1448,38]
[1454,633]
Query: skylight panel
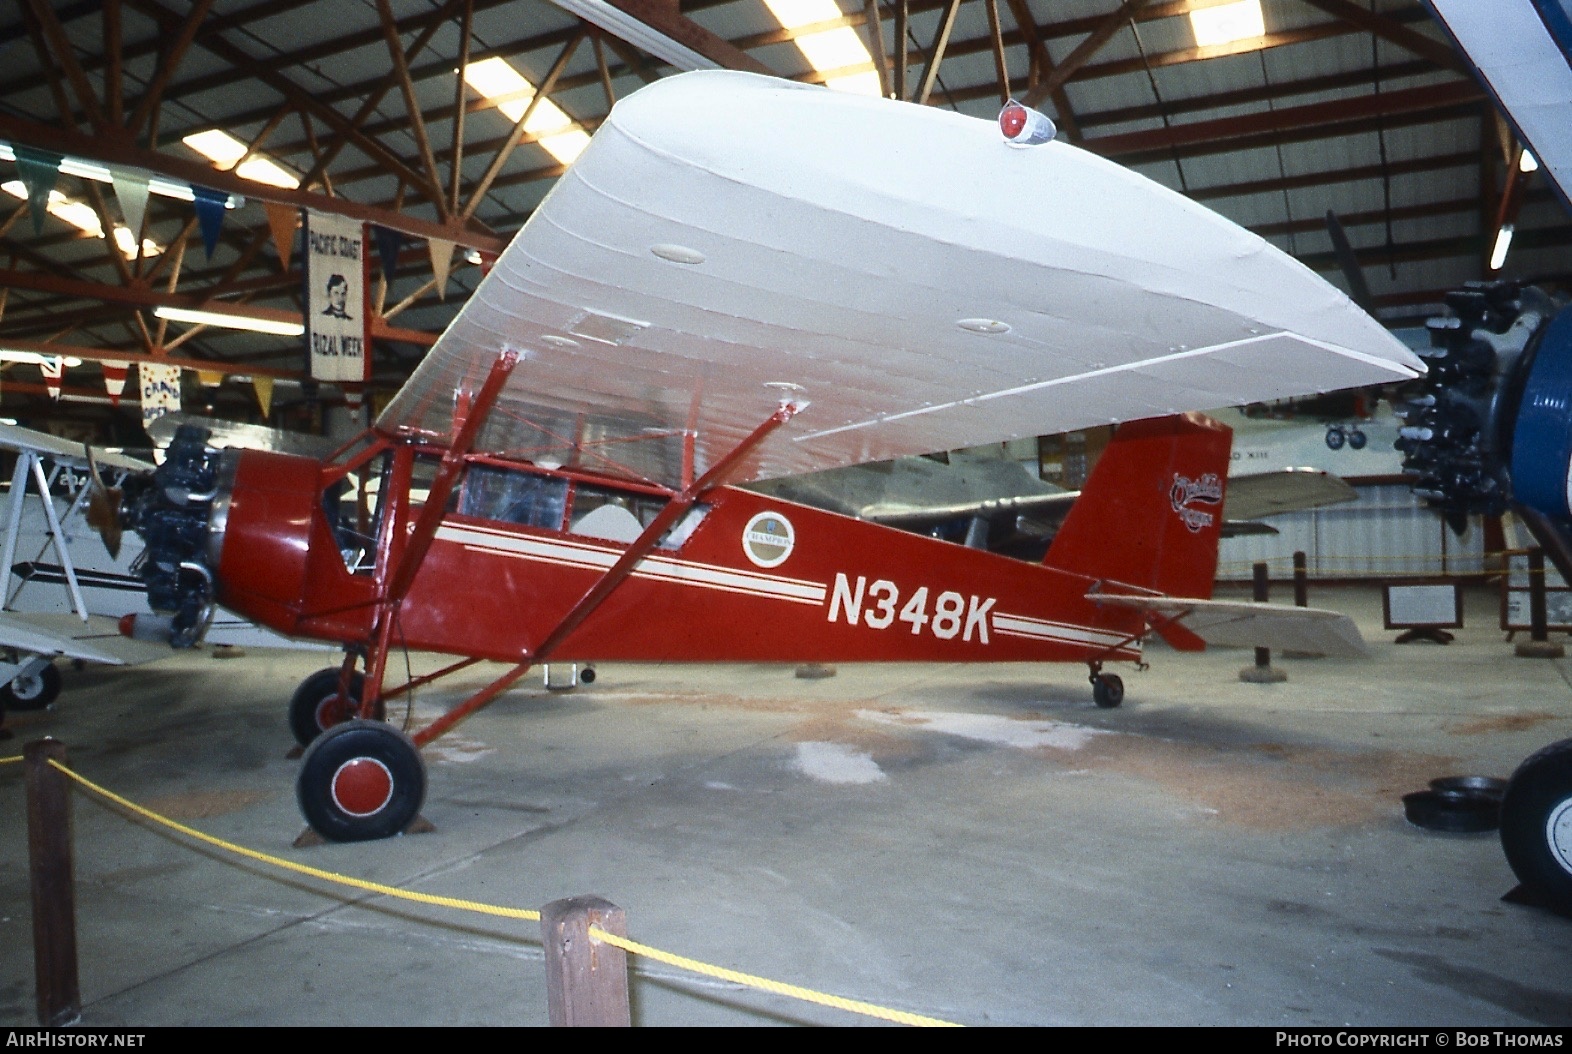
[223,149]
[1227,23]
[558,134]
[84,218]
[839,48]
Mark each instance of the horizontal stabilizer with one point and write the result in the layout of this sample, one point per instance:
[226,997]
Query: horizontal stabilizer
[1239,623]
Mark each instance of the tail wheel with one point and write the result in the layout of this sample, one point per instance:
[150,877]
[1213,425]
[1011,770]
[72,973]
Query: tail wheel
[1107,690]
[360,781]
[317,705]
[31,691]
[1536,823]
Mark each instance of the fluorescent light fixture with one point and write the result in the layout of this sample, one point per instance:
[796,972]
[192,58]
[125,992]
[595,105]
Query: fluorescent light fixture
[1527,162]
[82,216]
[250,323]
[1226,23]
[839,48]
[223,149]
[33,358]
[558,134]
[73,166]
[1498,255]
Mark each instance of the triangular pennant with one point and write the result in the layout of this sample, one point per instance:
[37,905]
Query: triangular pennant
[210,378]
[441,263]
[210,215]
[131,192]
[39,170]
[487,262]
[389,242]
[115,378]
[53,367]
[3,293]
[282,221]
[354,396]
[264,390]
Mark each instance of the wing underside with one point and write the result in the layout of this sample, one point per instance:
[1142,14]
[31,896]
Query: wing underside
[728,241]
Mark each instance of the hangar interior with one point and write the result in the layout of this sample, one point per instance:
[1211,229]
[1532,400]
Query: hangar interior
[980,844]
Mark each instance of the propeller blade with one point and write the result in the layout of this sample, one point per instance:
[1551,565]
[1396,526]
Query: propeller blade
[103,507]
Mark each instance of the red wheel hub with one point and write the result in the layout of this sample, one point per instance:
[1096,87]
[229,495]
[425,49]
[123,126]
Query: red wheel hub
[362,786]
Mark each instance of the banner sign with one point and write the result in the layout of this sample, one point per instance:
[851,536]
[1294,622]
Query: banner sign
[160,390]
[336,298]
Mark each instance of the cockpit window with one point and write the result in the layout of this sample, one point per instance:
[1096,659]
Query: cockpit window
[513,496]
[354,509]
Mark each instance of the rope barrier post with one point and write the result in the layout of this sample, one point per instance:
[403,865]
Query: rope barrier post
[1263,672]
[586,979]
[1539,645]
[53,884]
[1301,580]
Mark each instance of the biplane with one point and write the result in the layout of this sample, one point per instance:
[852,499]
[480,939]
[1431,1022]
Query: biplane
[743,278]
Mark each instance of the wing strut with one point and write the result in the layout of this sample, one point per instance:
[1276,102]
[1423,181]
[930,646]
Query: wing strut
[717,475]
[394,588]
[27,462]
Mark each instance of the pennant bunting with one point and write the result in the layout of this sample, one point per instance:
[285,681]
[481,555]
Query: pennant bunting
[39,170]
[389,242]
[441,262]
[282,221]
[115,378]
[53,366]
[210,211]
[210,378]
[263,386]
[487,262]
[354,397]
[160,390]
[131,192]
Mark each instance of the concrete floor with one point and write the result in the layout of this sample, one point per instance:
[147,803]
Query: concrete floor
[978,844]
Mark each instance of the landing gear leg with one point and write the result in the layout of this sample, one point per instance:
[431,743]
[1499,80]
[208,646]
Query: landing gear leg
[1107,688]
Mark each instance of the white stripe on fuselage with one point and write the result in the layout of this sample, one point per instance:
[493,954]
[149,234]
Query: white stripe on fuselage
[565,553]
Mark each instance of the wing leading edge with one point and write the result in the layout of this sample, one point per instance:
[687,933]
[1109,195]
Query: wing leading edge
[728,240]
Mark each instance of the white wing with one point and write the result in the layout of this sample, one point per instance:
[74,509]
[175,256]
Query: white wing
[927,285]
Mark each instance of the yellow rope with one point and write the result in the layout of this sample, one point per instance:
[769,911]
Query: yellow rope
[779,988]
[694,965]
[7,761]
[302,869]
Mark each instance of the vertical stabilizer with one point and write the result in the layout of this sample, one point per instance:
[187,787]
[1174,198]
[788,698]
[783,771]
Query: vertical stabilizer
[1151,513]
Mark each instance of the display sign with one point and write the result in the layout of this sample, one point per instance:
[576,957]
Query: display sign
[160,390]
[336,342]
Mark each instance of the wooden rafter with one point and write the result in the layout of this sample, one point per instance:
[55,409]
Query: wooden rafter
[168,64]
[1084,51]
[417,122]
[65,55]
[941,41]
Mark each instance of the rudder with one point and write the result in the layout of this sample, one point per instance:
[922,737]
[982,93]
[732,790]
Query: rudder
[1151,513]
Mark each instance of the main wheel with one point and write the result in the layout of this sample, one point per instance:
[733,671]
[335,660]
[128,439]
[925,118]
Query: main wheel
[31,691]
[1335,438]
[317,705]
[359,781]
[1357,440]
[1107,690]
[1536,823]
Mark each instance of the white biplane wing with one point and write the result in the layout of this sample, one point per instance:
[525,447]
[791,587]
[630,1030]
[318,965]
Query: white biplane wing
[727,240]
[1244,624]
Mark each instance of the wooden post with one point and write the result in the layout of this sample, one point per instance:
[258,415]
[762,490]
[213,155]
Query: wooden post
[1538,615]
[1263,656]
[1263,672]
[586,979]
[53,884]
[1301,580]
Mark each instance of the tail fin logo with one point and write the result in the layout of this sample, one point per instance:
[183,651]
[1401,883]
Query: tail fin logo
[1187,492]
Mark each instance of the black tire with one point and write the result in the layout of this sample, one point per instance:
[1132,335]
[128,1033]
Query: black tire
[587,675]
[360,781]
[1357,440]
[1335,438]
[1107,690]
[316,705]
[31,692]
[1536,823]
